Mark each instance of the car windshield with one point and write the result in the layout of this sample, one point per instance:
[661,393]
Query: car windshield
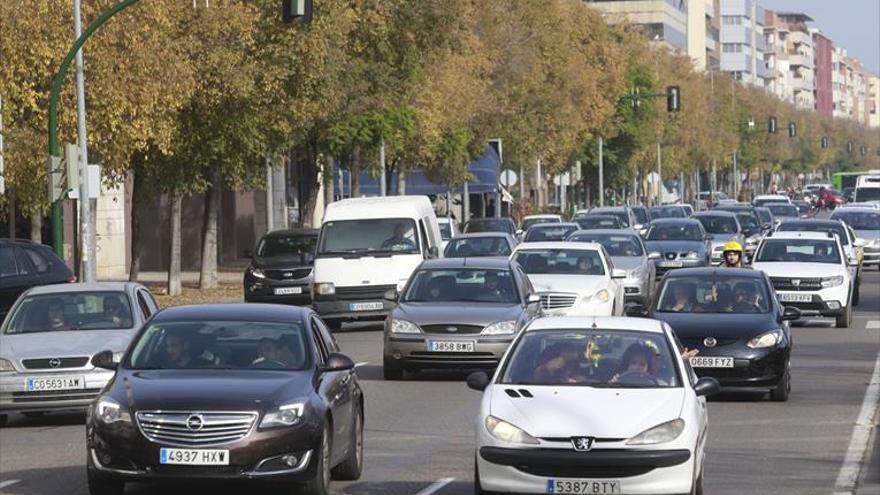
[674,232]
[445,231]
[615,245]
[288,245]
[557,232]
[766,201]
[641,215]
[488,225]
[718,224]
[72,311]
[561,261]
[783,210]
[621,215]
[764,215]
[867,194]
[593,358]
[236,345]
[594,222]
[374,235]
[799,250]
[477,246]
[813,226]
[713,294]
[748,220]
[667,212]
[462,285]
[859,220]
[803,206]
[528,222]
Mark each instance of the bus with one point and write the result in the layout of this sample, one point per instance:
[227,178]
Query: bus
[841,180]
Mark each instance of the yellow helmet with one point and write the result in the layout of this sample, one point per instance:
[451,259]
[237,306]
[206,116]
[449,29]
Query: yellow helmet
[733,246]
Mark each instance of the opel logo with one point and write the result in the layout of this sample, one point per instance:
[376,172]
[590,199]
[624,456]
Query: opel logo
[195,422]
[451,329]
[54,362]
[796,282]
[710,342]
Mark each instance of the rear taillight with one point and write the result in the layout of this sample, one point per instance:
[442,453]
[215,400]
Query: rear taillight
[72,279]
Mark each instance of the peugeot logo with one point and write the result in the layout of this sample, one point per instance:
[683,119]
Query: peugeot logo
[582,444]
[54,362]
[710,342]
[195,422]
[796,282]
[451,329]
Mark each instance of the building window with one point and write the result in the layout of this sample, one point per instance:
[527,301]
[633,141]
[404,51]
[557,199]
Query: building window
[732,20]
[732,47]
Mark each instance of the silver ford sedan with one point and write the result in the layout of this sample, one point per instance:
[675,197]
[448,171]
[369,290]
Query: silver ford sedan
[49,337]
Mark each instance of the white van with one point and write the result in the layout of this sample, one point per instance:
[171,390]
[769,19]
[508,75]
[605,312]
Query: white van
[867,188]
[367,247]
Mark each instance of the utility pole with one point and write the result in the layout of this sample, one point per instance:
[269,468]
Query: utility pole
[87,237]
[270,191]
[2,164]
[659,176]
[735,178]
[601,173]
[382,184]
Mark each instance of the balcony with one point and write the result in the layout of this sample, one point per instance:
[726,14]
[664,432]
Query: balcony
[800,37]
[799,60]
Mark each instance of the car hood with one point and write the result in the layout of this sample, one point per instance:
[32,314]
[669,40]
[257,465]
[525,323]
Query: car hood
[738,326]
[366,270]
[233,390]
[456,313]
[628,263]
[562,412]
[67,343]
[868,234]
[796,269]
[677,246]
[281,262]
[582,284]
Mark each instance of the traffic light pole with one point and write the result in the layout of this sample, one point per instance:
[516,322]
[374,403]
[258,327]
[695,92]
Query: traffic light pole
[57,82]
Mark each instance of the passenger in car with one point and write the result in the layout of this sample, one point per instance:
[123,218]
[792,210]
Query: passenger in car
[269,354]
[558,364]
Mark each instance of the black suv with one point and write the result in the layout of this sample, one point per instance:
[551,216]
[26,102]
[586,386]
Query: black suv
[24,264]
[281,267]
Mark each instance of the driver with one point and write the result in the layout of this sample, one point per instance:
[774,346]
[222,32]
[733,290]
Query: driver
[56,315]
[398,241]
[637,359]
[179,355]
[585,264]
[745,298]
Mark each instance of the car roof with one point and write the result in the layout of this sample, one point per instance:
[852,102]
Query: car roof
[610,208]
[714,213]
[542,215]
[583,246]
[601,217]
[232,312]
[83,287]
[791,234]
[287,232]
[735,208]
[473,235]
[855,209]
[489,220]
[704,271]
[554,225]
[813,221]
[676,220]
[378,207]
[600,322]
[479,262]
[626,232]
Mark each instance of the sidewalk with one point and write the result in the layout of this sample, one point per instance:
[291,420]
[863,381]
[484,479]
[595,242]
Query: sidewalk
[869,482]
[190,278]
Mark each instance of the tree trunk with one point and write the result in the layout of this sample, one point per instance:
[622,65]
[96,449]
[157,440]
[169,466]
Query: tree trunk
[355,171]
[137,204]
[307,158]
[10,194]
[208,272]
[37,226]
[401,183]
[174,287]
[327,176]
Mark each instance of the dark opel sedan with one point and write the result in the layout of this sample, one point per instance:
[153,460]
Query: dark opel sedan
[457,313]
[732,316]
[228,392]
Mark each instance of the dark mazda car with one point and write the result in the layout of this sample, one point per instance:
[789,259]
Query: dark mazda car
[457,313]
[281,268]
[24,264]
[236,392]
[732,316]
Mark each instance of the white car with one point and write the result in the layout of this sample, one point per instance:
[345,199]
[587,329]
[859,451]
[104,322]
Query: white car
[809,271]
[573,278]
[763,199]
[448,230]
[592,405]
[530,220]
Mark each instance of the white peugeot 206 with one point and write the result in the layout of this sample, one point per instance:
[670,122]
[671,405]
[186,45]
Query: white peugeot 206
[599,405]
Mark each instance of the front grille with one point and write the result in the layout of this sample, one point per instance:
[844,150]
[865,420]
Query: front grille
[293,274]
[459,329]
[46,363]
[697,342]
[56,395]
[563,471]
[557,301]
[670,255]
[804,284]
[179,428]
[362,292]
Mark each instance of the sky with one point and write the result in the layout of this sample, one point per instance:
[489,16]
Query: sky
[851,24]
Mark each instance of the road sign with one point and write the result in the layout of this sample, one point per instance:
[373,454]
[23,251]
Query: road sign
[94,184]
[563,179]
[507,178]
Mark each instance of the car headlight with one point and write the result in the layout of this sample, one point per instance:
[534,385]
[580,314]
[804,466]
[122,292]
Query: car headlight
[662,433]
[6,365]
[832,281]
[692,255]
[108,411]
[257,273]
[500,328]
[751,240]
[286,415]
[403,326]
[325,289]
[506,432]
[768,339]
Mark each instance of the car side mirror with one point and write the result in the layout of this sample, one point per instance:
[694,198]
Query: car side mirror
[390,295]
[790,313]
[247,253]
[478,381]
[860,243]
[433,252]
[518,232]
[706,387]
[638,226]
[618,273]
[104,359]
[338,362]
[534,298]
[636,310]
[768,226]
[708,237]
[654,256]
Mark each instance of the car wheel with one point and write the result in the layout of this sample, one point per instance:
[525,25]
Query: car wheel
[391,372]
[843,321]
[102,485]
[334,325]
[698,484]
[320,484]
[783,389]
[855,296]
[350,469]
[3,419]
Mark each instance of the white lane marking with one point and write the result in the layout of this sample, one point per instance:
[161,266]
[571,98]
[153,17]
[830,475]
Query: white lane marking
[435,486]
[4,484]
[858,444]
[873,324]
[362,363]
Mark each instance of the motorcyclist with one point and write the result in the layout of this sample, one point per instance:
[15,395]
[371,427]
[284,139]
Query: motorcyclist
[733,255]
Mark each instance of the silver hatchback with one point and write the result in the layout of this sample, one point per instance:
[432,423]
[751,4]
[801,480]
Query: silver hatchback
[49,337]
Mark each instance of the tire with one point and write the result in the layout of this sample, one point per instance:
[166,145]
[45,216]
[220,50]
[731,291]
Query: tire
[3,419]
[844,320]
[352,466]
[698,485]
[334,325]
[320,484]
[783,389]
[856,291]
[391,372]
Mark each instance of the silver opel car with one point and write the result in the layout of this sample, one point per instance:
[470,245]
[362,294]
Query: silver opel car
[50,335]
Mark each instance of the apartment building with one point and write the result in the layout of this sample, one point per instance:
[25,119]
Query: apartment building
[874,92]
[824,75]
[790,58]
[743,44]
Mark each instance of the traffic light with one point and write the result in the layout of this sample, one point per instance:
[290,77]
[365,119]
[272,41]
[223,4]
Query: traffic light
[296,11]
[824,142]
[792,129]
[673,98]
[771,125]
